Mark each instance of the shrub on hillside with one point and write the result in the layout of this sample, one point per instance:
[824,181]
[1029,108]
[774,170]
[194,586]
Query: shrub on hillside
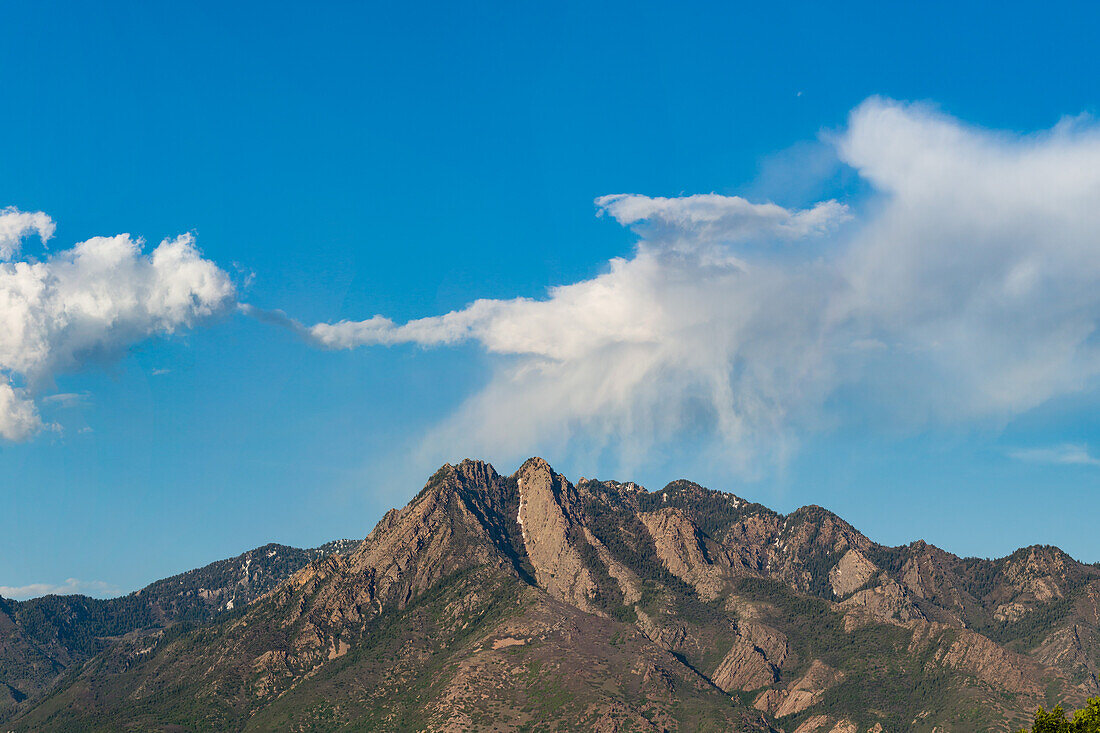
[1085,720]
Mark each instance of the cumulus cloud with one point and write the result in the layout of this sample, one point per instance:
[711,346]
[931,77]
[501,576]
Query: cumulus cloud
[16,224]
[1068,454]
[19,417]
[982,263]
[72,586]
[964,288]
[88,304]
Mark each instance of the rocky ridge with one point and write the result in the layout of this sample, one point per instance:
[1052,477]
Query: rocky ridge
[516,599]
[43,637]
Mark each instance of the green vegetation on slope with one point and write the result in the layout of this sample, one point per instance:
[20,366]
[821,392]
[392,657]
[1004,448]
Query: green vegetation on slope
[1085,720]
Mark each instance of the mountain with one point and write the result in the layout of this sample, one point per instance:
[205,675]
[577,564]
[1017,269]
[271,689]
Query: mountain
[528,602]
[42,637]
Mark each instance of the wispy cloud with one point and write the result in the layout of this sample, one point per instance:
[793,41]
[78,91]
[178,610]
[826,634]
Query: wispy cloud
[72,586]
[1067,454]
[68,399]
[690,221]
[972,271]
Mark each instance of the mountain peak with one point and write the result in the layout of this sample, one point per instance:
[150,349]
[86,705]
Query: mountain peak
[473,472]
[528,588]
[534,464]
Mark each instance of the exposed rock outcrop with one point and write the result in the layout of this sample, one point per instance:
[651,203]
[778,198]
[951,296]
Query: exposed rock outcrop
[804,692]
[851,573]
[547,520]
[685,552]
[754,659]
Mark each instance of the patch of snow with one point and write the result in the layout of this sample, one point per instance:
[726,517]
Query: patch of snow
[519,513]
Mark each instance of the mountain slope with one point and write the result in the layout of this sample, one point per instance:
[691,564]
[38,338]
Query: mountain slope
[42,637]
[397,626]
[505,601]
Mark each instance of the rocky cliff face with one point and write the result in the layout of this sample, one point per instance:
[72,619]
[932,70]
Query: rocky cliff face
[549,520]
[524,599]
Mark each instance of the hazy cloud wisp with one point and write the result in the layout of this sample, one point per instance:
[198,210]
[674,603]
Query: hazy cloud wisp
[967,288]
[1068,454]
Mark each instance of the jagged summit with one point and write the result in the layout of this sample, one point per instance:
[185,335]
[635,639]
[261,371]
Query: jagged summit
[527,598]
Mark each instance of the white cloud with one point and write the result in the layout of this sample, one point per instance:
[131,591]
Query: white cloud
[967,288]
[677,337]
[96,588]
[1068,454]
[16,224]
[687,222]
[68,399]
[89,304]
[611,309]
[981,263]
[19,417]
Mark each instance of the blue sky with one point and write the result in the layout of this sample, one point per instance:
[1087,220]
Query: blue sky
[360,160]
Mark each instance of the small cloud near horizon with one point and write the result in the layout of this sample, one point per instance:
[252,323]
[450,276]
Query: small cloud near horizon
[1067,454]
[71,586]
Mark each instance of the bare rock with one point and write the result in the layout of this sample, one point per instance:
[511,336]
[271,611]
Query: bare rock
[851,573]
[545,508]
[681,547]
[754,659]
[804,692]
